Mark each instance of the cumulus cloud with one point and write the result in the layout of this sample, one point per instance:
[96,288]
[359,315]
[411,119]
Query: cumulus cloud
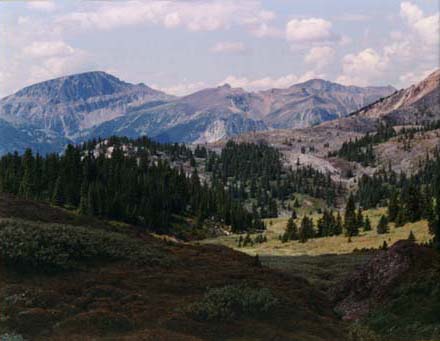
[191,15]
[311,30]
[413,77]
[58,65]
[361,68]
[320,56]
[413,48]
[426,27]
[181,89]
[228,47]
[269,82]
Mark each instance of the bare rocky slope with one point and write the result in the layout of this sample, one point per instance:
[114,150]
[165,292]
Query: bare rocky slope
[77,107]
[409,107]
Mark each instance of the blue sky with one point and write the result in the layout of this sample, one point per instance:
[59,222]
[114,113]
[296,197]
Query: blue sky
[182,46]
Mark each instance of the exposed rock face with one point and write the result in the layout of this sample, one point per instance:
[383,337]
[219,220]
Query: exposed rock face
[47,115]
[65,106]
[316,101]
[205,116]
[418,102]
[370,285]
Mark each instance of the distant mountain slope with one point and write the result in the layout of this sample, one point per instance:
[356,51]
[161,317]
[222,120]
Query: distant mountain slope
[67,105]
[316,101]
[205,116]
[420,101]
[18,139]
[92,104]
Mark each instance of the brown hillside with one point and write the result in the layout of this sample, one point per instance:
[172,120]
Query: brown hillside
[121,301]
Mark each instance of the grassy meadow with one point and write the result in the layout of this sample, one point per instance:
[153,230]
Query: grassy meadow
[328,245]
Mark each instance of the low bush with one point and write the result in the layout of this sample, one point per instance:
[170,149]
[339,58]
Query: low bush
[233,302]
[63,247]
[11,337]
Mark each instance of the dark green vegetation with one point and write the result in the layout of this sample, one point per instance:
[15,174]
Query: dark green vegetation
[140,182]
[157,185]
[234,302]
[255,172]
[408,198]
[412,311]
[112,297]
[51,247]
[362,150]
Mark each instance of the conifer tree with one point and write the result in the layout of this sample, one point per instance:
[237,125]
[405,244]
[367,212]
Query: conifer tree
[84,201]
[359,218]
[291,232]
[393,207]
[306,230]
[434,223]
[338,226]
[367,224]
[411,237]
[58,194]
[382,226]
[350,219]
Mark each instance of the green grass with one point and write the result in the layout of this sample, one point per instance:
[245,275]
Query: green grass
[327,245]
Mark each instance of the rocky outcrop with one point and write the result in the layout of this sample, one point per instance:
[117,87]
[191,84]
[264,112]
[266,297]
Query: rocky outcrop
[370,285]
[419,102]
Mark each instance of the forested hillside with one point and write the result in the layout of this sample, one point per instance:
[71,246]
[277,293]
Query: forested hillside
[156,185]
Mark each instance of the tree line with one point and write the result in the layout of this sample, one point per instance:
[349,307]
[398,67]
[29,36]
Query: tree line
[136,185]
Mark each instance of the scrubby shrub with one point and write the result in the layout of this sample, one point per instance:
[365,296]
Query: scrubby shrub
[233,302]
[359,332]
[58,247]
[11,337]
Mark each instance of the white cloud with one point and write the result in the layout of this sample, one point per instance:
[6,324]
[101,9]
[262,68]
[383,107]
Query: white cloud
[269,82]
[191,15]
[311,30]
[228,47]
[412,78]
[362,68]
[48,49]
[58,65]
[181,89]
[410,12]
[413,48]
[320,56]
[426,27]
[45,6]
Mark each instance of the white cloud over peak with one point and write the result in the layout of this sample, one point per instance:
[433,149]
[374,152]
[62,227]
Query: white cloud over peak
[269,82]
[181,89]
[320,56]
[362,68]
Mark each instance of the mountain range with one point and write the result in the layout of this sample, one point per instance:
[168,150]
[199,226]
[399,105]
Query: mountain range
[48,115]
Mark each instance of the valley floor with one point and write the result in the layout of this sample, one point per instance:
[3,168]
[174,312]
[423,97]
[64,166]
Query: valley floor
[327,245]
